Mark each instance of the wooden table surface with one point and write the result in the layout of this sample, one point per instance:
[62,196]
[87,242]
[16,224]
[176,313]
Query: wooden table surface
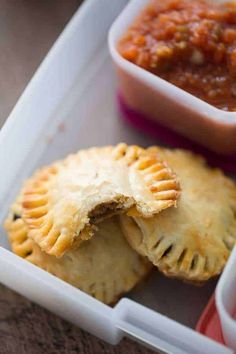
[27,30]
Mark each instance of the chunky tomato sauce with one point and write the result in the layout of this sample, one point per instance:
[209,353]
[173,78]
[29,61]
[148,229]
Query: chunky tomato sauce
[190,43]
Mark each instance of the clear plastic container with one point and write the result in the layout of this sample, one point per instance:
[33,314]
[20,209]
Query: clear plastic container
[70,104]
[165,103]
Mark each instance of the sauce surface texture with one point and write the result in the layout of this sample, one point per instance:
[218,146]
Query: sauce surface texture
[190,43]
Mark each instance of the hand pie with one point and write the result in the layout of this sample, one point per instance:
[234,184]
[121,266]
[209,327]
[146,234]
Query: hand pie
[104,267]
[63,203]
[194,240]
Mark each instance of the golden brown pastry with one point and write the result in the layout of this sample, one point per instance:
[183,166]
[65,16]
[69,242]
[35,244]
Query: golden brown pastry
[62,204]
[104,267]
[194,240]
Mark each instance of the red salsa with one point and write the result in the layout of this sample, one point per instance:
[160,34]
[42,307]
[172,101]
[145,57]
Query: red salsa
[191,44]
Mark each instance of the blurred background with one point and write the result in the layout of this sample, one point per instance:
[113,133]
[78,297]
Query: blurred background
[28,29]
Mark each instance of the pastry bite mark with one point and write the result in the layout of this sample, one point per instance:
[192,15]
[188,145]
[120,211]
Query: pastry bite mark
[193,241]
[63,203]
[105,267]
[106,210]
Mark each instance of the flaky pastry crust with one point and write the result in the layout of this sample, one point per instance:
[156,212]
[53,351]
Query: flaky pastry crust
[194,240]
[104,267]
[63,203]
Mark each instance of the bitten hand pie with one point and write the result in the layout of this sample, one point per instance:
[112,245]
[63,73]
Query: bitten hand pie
[62,204]
[194,240]
[104,267]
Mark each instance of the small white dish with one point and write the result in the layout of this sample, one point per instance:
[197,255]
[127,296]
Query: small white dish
[161,101]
